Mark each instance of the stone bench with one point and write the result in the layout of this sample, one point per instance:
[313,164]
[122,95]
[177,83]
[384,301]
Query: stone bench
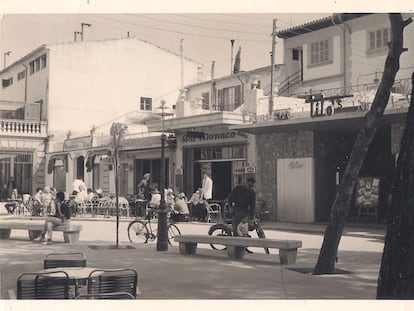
[236,246]
[35,226]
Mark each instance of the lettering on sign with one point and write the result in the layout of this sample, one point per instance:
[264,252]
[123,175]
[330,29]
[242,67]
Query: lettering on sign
[295,164]
[77,143]
[325,106]
[213,137]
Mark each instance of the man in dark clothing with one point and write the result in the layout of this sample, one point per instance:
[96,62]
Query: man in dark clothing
[243,201]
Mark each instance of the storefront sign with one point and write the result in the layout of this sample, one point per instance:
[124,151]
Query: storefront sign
[142,142]
[325,106]
[250,170]
[77,143]
[208,137]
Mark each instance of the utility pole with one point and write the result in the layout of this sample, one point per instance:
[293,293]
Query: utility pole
[182,63]
[231,56]
[273,67]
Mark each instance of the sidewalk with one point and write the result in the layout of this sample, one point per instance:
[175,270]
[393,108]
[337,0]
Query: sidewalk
[368,230]
[207,275]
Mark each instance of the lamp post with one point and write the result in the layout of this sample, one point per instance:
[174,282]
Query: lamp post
[162,235]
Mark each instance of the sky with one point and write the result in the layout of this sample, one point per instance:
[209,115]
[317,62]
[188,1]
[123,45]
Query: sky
[205,31]
[206,36]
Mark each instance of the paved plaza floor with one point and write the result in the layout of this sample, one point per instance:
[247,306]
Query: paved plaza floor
[207,275]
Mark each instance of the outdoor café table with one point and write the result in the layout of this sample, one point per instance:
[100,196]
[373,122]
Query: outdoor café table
[77,275]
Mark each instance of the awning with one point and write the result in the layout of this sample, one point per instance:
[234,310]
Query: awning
[52,161]
[90,157]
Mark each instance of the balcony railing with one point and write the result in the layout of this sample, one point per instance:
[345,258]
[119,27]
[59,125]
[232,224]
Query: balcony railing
[23,128]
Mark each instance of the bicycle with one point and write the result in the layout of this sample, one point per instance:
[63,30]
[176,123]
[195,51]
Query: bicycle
[226,229]
[141,230]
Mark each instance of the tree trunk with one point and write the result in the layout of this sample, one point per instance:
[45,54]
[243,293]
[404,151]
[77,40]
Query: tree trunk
[341,204]
[396,278]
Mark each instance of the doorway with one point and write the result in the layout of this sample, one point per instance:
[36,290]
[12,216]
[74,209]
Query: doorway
[221,174]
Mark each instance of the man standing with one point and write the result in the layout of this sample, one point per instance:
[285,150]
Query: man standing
[207,187]
[243,201]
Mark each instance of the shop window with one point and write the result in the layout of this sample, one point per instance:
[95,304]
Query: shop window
[220,153]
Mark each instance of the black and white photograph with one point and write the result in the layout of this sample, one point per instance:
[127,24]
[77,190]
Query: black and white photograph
[223,155]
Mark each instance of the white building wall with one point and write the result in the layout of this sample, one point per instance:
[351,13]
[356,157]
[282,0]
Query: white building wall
[364,62]
[324,70]
[94,82]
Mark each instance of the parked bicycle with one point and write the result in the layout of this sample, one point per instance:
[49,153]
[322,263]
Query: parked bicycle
[226,229]
[144,230]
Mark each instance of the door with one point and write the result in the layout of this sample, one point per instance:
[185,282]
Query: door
[221,175]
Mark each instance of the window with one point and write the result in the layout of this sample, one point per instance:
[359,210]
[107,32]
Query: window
[37,64]
[229,99]
[21,75]
[378,38]
[32,66]
[7,82]
[146,103]
[43,61]
[205,103]
[320,52]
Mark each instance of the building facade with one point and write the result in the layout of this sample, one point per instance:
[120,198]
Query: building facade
[334,65]
[73,89]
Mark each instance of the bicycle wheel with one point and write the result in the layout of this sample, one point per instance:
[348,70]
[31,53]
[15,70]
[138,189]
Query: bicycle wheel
[172,232]
[138,232]
[261,235]
[219,230]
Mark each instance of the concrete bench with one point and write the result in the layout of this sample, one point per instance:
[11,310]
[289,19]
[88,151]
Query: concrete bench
[35,226]
[236,245]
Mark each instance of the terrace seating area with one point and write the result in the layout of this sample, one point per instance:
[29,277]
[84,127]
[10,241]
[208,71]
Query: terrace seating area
[67,276]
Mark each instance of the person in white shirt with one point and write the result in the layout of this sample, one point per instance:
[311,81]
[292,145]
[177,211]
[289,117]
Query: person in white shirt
[207,187]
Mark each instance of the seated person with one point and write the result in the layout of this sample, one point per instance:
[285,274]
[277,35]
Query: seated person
[197,208]
[169,199]
[47,201]
[13,201]
[37,202]
[99,193]
[60,214]
[154,203]
[181,211]
[243,227]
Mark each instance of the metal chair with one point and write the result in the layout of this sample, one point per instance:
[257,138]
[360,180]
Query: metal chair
[56,260]
[105,281]
[52,285]
[113,295]
[213,209]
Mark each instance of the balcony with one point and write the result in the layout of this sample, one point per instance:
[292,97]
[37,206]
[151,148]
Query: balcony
[21,120]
